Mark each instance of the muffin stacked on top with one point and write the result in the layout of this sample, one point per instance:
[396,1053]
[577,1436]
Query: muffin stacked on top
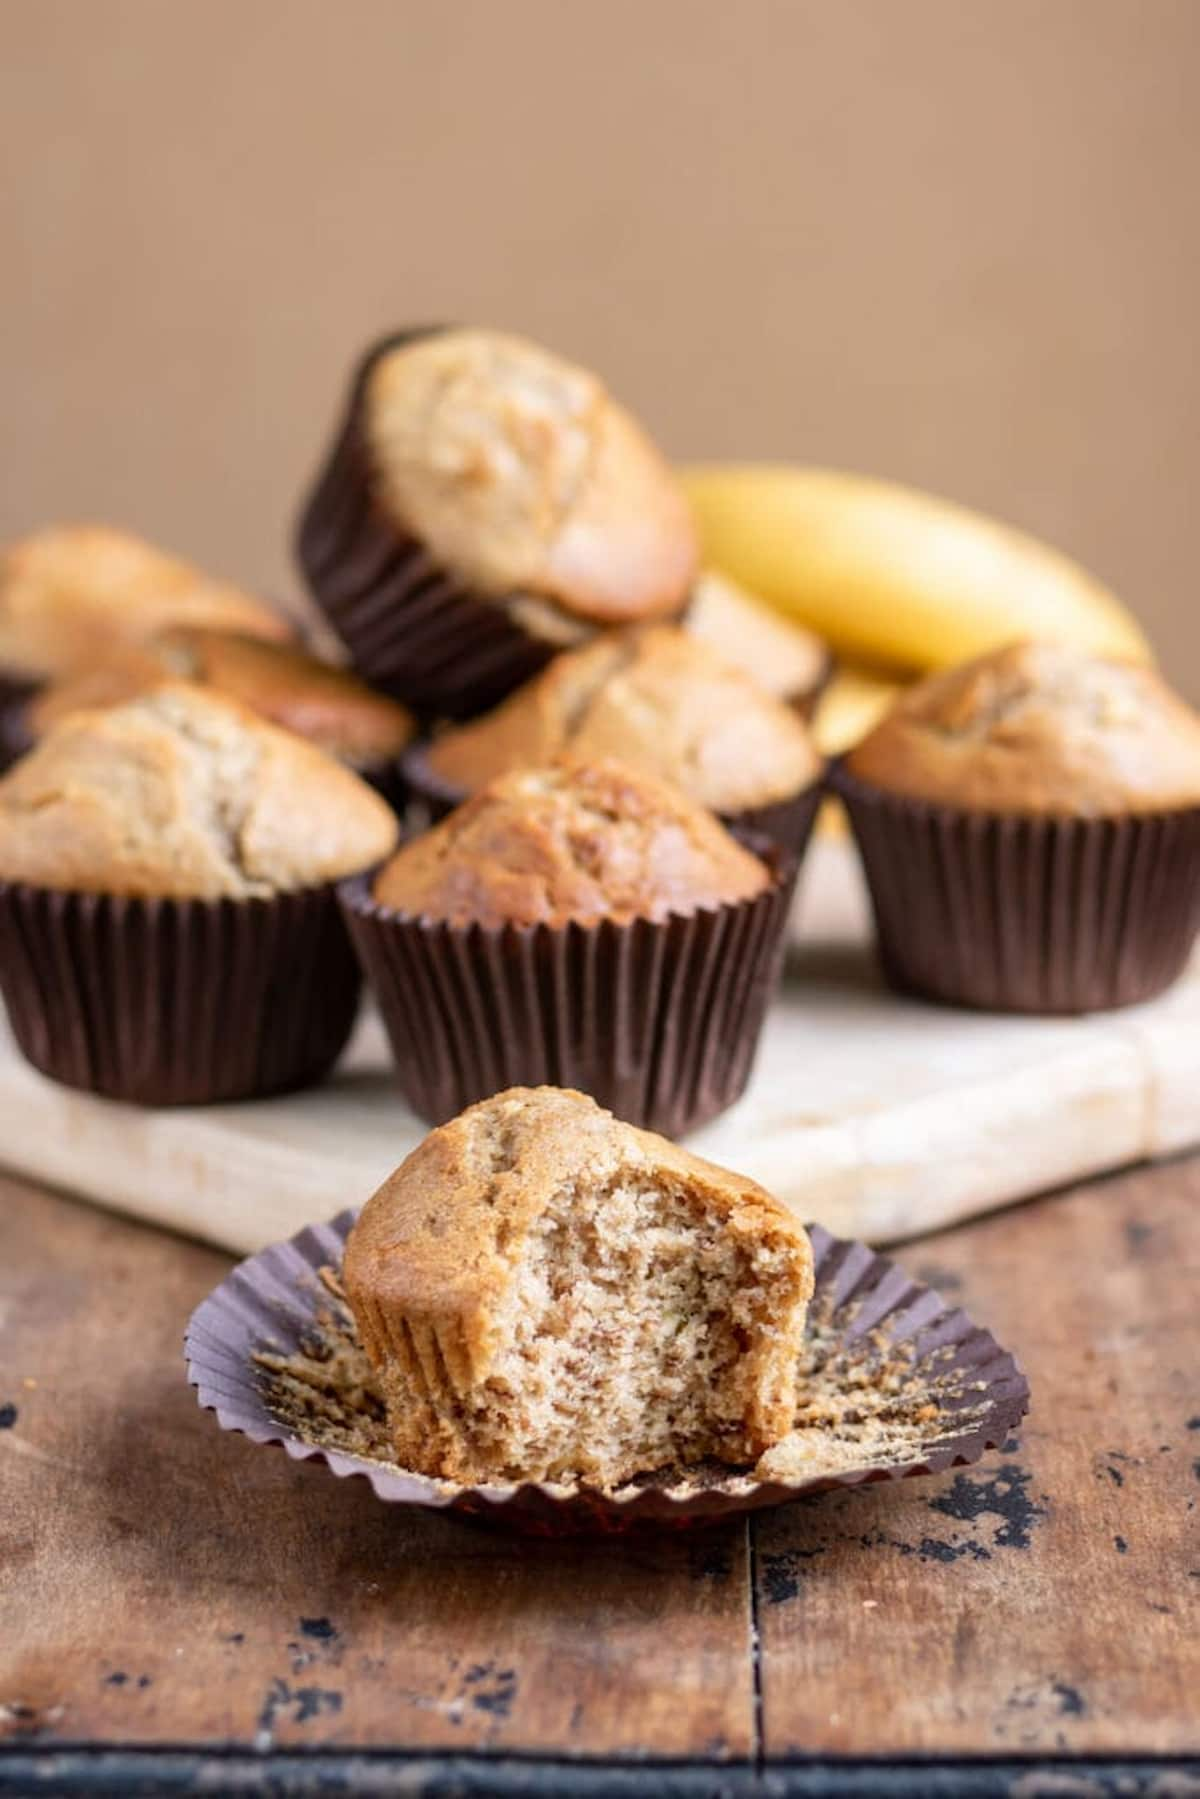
[485,505]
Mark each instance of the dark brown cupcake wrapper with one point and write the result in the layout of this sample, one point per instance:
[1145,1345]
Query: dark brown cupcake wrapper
[15,735]
[1022,913]
[411,626]
[786,822]
[177,1002]
[863,1306]
[657,1021]
[17,687]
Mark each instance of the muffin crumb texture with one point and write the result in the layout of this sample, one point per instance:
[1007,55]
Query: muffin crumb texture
[576,841]
[71,593]
[518,471]
[184,794]
[863,1400]
[549,1294]
[661,701]
[1038,729]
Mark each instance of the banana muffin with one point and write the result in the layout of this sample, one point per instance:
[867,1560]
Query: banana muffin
[330,707]
[662,702]
[582,924]
[486,504]
[169,930]
[548,1294]
[780,656]
[1030,826]
[71,593]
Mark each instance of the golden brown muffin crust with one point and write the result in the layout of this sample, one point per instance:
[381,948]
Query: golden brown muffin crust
[1036,728]
[658,699]
[519,472]
[69,594]
[184,794]
[575,841]
[781,657]
[329,706]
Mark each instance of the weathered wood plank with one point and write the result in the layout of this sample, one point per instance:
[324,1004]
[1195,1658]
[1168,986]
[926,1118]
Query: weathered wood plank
[243,1599]
[167,1583]
[1049,1602]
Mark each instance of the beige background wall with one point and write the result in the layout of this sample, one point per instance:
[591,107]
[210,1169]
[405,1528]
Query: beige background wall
[951,241]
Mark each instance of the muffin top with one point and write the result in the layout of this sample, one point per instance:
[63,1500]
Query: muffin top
[783,658]
[68,594]
[576,841]
[517,470]
[443,1230]
[184,794]
[658,699]
[329,706]
[1036,728]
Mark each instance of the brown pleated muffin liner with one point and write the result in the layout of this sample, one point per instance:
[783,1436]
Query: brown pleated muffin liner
[657,1021]
[273,1352]
[1027,914]
[412,627]
[15,735]
[16,687]
[177,1002]
[786,822]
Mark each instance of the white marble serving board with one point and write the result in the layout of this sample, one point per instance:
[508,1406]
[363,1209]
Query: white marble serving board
[879,1117]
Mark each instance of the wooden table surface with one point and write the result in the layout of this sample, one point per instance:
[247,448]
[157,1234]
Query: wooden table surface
[181,1608]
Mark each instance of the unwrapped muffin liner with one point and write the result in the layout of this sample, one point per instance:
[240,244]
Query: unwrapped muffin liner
[1026,913]
[413,627]
[787,822]
[658,1021]
[866,1322]
[168,1002]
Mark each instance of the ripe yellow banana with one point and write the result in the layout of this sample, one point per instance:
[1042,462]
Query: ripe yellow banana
[887,574]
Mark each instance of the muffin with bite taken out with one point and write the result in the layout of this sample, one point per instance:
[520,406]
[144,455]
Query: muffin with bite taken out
[549,1294]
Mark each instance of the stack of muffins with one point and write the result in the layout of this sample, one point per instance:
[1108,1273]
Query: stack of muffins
[603,762]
